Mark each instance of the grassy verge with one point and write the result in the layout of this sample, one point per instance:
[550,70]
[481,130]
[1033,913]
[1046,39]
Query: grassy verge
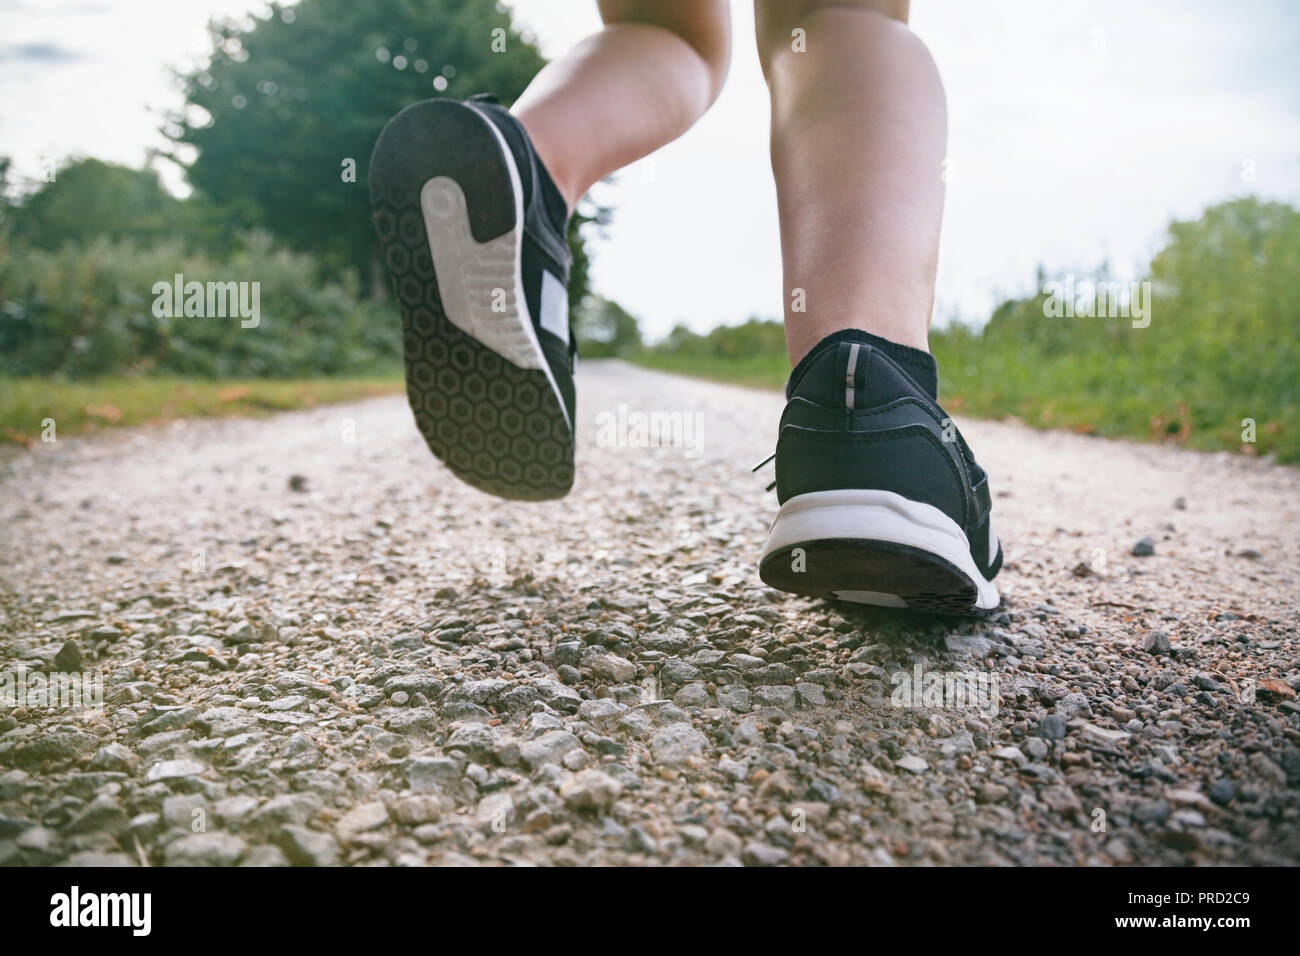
[1077,393]
[975,382]
[754,371]
[1136,396]
[1202,353]
[87,407]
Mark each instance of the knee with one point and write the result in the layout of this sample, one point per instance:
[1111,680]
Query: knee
[714,48]
[705,25]
[777,22]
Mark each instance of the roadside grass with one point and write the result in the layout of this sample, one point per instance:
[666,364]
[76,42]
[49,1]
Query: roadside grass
[753,371]
[81,408]
[1090,394]
[1110,396]
[1211,365]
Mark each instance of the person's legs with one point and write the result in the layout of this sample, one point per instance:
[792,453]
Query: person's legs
[882,502]
[625,91]
[859,130]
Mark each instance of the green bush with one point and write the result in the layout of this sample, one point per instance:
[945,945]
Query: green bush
[605,329]
[1222,346]
[90,199]
[750,338]
[86,311]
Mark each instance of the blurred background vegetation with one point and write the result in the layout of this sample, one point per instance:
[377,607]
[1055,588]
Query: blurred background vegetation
[270,126]
[267,125]
[1223,346]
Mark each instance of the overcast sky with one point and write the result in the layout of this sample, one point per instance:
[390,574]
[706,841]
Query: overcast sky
[1078,128]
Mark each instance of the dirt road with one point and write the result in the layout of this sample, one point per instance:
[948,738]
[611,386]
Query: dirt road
[316,646]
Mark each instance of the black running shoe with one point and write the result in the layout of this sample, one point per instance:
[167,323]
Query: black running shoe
[881,499]
[473,235]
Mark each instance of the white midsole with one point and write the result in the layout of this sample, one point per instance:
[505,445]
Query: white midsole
[481,283]
[874,515]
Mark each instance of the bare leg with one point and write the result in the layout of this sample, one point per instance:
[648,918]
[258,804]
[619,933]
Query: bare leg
[859,132]
[622,93]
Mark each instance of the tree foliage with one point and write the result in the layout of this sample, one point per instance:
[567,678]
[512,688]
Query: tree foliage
[605,329]
[89,199]
[1221,348]
[288,104]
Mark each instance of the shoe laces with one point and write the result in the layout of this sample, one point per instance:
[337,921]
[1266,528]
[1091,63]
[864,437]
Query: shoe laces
[770,457]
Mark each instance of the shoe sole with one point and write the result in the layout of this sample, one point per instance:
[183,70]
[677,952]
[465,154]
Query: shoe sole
[448,210]
[874,547]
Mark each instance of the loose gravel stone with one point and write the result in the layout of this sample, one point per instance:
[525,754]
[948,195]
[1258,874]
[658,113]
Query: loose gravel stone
[361,820]
[676,744]
[1052,727]
[722,842]
[1154,812]
[1223,791]
[204,849]
[415,810]
[69,659]
[774,696]
[1157,643]
[694,694]
[590,790]
[810,695]
[763,854]
[303,847]
[1103,735]
[550,747]
[265,855]
[174,770]
[115,757]
[613,668]
[969,645]
[296,808]
[1073,705]
[1145,547]
[103,814]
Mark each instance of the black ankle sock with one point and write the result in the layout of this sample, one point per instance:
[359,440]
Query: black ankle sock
[916,363]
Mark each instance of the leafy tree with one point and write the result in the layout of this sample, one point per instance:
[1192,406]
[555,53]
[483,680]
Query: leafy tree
[1222,345]
[90,199]
[588,214]
[1222,303]
[6,200]
[754,337]
[287,108]
[1228,281]
[606,329]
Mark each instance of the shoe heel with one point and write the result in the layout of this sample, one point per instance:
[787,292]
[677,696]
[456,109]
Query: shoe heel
[874,547]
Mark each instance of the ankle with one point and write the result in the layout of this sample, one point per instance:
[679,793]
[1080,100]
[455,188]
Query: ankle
[917,362]
[560,177]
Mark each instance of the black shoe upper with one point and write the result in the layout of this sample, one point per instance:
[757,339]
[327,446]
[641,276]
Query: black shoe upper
[545,248]
[856,419]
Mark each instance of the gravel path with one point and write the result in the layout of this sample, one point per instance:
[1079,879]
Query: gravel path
[320,650]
